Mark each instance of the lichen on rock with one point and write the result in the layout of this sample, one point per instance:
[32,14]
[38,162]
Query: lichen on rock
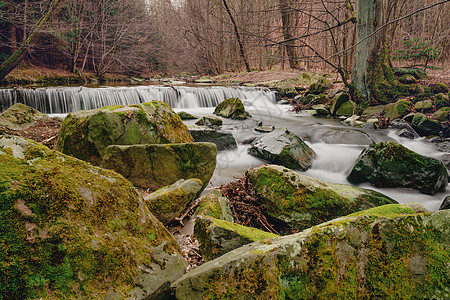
[69,229]
[232,108]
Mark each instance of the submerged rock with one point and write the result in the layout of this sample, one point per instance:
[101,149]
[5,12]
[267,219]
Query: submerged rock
[445,204]
[167,203]
[302,201]
[20,116]
[390,165]
[87,134]
[70,229]
[223,140]
[341,136]
[157,166]
[284,148]
[232,108]
[387,252]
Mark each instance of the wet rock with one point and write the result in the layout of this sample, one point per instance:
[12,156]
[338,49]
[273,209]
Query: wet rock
[265,128]
[87,134]
[232,108]
[209,121]
[302,201]
[284,148]
[445,204]
[223,140]
[405,133]
[354,257]
[156,166]
[167,203]
[424,106]
[321,109]
[70,228]
[347,109]
[338,100]
[404,129]
[424,125]
[341,136]
[398,109]
[186,116]
[373,112]
[390,165]
[20,116]
[353,121]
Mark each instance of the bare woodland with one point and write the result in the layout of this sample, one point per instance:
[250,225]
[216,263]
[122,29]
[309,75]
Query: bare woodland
[213,36]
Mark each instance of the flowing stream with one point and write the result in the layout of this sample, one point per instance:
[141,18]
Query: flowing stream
[337,145]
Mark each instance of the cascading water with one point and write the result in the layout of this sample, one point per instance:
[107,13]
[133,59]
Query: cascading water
[63,100]
[337,145]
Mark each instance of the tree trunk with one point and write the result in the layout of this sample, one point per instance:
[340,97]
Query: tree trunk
[373,80]
[286,18]
[238,37]
[19,54]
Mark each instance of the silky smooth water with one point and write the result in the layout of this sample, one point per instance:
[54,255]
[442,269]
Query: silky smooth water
[337,145]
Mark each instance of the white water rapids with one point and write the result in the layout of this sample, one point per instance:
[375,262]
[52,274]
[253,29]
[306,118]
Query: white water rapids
[337,145]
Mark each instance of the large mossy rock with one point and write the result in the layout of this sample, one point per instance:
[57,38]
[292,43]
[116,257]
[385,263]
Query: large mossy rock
[284,148]
[72,230]
[232,108]
[167,203]
[442,100]
[391,165]
[425,126]
[223,140]
[156,166]
[209,121]
[302,201]
[218,237]
[347,109]
[398,109]
[87,134]
[320,86]
[417,73]
[20,116]
[215,230]
[338,100]
[388,252]
[424,106]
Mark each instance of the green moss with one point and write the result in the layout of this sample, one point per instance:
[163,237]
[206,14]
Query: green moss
[77,232]
[252,234]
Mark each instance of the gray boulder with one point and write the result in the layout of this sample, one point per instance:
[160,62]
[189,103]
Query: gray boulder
[223,140]
[19,117]
[387,252]
[390,165]
[284,148]
[156,166]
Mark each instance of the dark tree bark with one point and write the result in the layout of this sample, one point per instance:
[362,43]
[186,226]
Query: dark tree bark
[238,37]
[20,53]
[286,18]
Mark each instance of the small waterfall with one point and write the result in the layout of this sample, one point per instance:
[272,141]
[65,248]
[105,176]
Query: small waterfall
[61,100]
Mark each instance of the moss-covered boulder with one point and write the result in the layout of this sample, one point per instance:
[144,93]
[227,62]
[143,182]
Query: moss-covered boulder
[407,79]
[424,106]
[218,237]
[347,109]
[186,116]
[442,100]
[373,112]
[387,252]
[417,73]
[338,100]
[391,165]
[232,108]
[424,125]
[156,166]
[320,86]
[302,201]
[214,205]
[439,88]
[87,134]
[284,148]
[223,140]
[72,230]
[209,121]
[398,109]
[20,116]
[167,203]
[442,114]
[321,110]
